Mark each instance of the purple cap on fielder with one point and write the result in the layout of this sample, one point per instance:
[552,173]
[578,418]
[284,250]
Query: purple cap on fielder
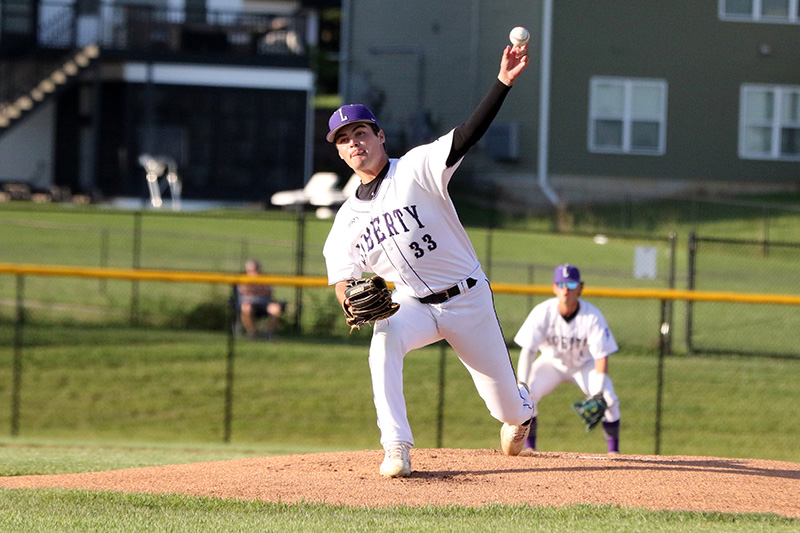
[348,114]
[566,272]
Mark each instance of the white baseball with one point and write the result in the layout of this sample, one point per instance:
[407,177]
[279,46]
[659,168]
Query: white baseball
[519,36]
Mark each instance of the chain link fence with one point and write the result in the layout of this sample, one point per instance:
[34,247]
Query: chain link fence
[751,266]
[69,378]
[704,376]
[287,244]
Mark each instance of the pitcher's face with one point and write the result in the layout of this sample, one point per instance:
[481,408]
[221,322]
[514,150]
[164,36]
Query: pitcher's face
[361,148]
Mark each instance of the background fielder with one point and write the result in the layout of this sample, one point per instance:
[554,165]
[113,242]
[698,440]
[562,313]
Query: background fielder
[402,225]
[575,342]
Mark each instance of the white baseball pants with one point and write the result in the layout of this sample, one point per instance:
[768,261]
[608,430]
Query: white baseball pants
[468,323]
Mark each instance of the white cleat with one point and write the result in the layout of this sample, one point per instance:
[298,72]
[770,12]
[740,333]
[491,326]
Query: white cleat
[512,438]
[397,462]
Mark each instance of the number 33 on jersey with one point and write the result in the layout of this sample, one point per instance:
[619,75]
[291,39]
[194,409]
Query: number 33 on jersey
[390,225]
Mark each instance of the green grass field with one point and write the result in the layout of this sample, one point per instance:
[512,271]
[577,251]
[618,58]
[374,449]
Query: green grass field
[119,398]
[163,386]
[60,510]
[63,510]
[98,393]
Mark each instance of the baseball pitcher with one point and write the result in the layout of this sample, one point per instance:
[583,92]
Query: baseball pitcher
[402,226]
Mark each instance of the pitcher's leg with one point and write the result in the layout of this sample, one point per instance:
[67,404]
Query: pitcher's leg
[471,327]
[410,328]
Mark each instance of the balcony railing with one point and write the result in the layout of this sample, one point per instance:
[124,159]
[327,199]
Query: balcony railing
[146,28]
[66,33]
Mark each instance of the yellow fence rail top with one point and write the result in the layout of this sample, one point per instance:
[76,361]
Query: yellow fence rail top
[657,294]
[318,281]
[159,275]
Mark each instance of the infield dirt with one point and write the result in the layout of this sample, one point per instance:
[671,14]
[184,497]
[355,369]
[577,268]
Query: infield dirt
[468,478]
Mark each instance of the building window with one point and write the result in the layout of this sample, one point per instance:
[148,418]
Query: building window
[628,116]
[760,10]
[769,122]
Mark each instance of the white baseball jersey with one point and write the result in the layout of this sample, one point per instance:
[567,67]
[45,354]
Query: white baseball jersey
[409,233]
[584,338]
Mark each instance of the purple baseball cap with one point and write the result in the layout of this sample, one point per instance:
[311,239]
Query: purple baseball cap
[566,272]
[349,114]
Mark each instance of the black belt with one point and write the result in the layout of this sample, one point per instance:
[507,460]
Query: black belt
[441,297]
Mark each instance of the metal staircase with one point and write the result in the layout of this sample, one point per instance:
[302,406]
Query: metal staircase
[30,84]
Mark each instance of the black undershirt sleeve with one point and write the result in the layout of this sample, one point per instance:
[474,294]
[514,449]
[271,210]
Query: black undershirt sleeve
[470,132]
[464,137]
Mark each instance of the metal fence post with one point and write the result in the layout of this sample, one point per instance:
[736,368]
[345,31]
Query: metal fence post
[690,283]
[104,257]
[298,267]
[229,375]
[664,343]
[137,252]
[440,406]
[531,269]
[662,352]
[668,305]
[17,364]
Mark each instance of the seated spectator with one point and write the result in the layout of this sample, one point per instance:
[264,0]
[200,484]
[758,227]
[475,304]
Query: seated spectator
[255,301]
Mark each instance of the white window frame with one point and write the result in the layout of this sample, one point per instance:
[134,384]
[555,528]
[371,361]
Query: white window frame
[757,15]
[775,123]
[627,118]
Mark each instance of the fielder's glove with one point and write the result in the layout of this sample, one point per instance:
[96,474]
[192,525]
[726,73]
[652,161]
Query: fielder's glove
[591,410]
[370,300]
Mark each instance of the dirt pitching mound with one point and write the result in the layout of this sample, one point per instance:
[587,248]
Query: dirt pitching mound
[468,478]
